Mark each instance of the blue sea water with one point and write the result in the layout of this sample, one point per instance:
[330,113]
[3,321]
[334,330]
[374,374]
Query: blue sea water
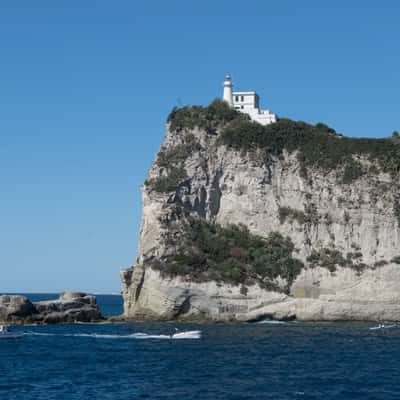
[230,361]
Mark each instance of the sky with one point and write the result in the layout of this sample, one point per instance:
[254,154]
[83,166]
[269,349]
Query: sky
[86,87]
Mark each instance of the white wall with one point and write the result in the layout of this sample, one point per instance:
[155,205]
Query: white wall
[248,103]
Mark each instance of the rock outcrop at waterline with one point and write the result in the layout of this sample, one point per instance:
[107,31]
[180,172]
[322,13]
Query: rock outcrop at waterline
[242,222]
[70,307]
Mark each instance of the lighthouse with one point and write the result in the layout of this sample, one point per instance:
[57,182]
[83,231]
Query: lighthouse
[228,90]
[247,103]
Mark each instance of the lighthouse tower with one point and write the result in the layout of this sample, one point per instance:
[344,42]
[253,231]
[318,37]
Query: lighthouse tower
[228,90]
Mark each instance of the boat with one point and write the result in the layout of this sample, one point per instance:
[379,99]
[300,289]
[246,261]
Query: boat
[186,335]
[382,326]
[5,333]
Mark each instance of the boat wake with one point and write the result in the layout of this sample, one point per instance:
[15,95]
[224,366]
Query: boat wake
[272,322]
[382,326]
[139,335]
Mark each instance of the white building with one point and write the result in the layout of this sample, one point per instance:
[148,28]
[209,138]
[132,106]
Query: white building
[248,103]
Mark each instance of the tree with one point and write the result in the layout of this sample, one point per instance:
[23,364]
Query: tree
[395,135]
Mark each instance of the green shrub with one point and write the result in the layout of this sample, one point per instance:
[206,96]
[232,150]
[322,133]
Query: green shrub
[210,118]
[311,215]
[354,256]
[167,183]
[331,258]
[171,162]
[353,170]
[328,219]
[327,258]
[381,263]
[232,254]
[317,146]
[396,209]
[172,156]
[325,128]
[178,154]
[291,214]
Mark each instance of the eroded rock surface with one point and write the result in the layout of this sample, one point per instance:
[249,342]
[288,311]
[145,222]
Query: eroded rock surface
[346,234]
[15,308]
[70,307]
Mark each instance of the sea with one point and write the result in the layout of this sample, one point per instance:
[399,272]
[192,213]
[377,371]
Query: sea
[267,360]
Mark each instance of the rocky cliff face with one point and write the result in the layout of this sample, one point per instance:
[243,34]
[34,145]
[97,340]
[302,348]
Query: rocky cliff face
[242,222]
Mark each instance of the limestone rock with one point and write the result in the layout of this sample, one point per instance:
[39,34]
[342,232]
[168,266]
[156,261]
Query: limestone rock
[70,307]
[15,307]
[226,186]
[72,295]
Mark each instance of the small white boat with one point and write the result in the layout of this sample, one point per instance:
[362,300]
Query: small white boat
[382,326]
[187,335]
[5,333]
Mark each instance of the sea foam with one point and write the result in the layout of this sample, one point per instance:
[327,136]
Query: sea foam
[139,335]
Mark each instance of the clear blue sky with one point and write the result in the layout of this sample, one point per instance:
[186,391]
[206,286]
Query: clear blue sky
[86,86]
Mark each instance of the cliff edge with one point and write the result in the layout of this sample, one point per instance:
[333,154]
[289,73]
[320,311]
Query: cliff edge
[286,221]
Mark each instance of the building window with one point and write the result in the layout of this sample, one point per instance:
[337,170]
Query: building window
[242,98]
[236,98]
[241,107]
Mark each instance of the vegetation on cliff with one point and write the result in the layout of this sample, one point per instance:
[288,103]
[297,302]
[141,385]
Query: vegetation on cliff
[396,209]
[171,162]
[308,216]
[317,145]
[291,214]
[210,118]
[232,254]
[332,258]
[168,182]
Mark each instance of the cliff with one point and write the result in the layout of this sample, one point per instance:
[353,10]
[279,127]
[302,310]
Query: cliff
[286,221]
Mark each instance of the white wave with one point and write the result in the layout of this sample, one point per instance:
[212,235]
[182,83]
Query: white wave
[38,334]
[147,336]
[139,335]
[272,322]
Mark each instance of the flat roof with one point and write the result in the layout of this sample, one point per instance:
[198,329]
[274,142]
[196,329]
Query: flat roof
[244,93]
